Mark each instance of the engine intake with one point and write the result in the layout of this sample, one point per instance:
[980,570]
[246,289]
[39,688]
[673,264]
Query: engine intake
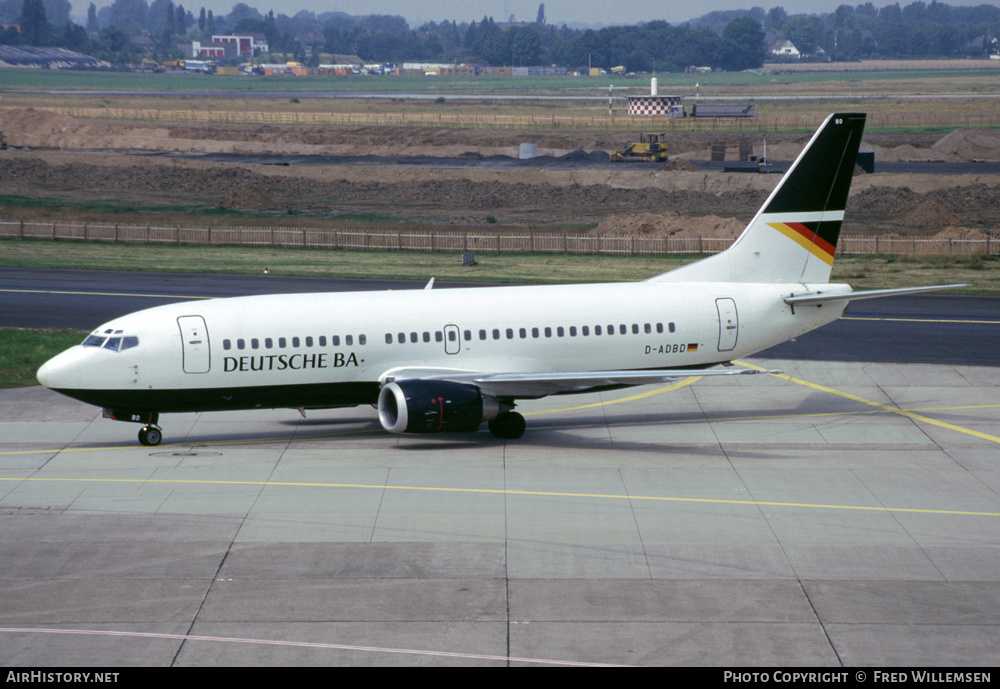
[422,406]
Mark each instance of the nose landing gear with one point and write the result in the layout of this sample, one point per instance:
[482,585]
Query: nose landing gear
[151,434]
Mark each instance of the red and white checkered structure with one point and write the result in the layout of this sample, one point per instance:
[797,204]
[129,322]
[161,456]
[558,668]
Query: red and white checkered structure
[651,106]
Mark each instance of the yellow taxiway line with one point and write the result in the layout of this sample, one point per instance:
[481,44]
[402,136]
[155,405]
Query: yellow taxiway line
[878,405]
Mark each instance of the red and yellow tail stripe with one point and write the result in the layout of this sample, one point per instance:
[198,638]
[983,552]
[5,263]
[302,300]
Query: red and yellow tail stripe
[807,235]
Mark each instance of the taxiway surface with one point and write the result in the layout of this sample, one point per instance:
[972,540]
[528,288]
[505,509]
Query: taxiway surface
[842,513]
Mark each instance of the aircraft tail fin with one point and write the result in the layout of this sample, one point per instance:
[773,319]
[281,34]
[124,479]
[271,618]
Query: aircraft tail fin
[794,235]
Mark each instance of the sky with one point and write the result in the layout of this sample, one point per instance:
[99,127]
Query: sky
[556,11]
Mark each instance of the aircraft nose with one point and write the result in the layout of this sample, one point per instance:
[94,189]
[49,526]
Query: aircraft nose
[44,374]
[61,371]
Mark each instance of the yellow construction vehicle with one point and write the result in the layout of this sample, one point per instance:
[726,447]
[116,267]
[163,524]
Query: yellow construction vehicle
[649,147]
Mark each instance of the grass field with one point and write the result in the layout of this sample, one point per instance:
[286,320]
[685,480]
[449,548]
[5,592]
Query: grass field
[979,75]
[785,101]
[22,351]
[862,272]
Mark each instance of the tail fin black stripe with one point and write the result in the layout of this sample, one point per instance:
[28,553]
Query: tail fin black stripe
[810,185]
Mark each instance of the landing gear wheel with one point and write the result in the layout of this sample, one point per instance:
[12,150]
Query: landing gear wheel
[509,426]
[150,435]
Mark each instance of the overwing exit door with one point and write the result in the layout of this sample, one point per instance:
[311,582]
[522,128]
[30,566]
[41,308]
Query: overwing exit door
[194,340]
[452,340]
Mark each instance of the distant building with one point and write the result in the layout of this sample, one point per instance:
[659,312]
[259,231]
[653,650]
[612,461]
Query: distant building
[785,48]
[246,45]
[309,40]
[143,43]
[47,58]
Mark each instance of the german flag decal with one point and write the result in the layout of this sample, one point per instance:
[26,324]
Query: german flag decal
[810,236]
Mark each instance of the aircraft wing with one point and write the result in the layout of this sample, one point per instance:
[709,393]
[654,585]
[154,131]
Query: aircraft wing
[533,385]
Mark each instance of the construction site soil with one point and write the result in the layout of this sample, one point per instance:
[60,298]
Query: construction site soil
[89,166]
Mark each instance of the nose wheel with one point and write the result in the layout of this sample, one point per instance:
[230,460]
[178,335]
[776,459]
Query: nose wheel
[150,435]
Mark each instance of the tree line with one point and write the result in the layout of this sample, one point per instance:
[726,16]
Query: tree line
[726,40]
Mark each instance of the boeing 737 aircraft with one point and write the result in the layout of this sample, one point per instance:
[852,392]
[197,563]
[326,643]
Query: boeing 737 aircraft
[449,360]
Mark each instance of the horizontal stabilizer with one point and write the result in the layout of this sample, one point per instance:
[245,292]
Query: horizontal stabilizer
[821,298]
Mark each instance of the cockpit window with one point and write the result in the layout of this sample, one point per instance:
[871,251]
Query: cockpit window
[116,343]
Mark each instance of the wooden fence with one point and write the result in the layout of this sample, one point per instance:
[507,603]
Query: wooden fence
[485,242]
[804,119]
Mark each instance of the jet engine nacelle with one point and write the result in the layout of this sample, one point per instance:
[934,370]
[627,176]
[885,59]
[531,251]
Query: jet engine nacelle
[425,406]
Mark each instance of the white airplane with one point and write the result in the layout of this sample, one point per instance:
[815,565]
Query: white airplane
[449,360]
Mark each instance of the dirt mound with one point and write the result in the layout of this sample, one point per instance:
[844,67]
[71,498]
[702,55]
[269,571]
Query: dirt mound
[668,225]
[971,144]
[249,198]
[961,233]
[585,156]
[908,153]
[677,165]
[931,212]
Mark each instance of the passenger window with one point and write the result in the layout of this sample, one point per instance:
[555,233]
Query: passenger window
[635,328]
[348,340]
[548,332]
[451,336]
[282,343]
[597,330]
[401,338]
[585,330]
[268,342]
[623,329]
[335,340]
[388,338]
[226,344]
[496,333]
[572,331]
[295,342]
[647,328]
[534,332]
[672,327]
[559,331]
[322,340]
[468,335]
[659,327]
[241,344]
[510,333]
[362,339]
[254,343]
[482,334]
[427,336]
[523,333]
[413,338]
[309,342]
[438,337]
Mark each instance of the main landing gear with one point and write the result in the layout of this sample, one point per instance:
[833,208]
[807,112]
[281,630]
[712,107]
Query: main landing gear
[150,435]
[508,425]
